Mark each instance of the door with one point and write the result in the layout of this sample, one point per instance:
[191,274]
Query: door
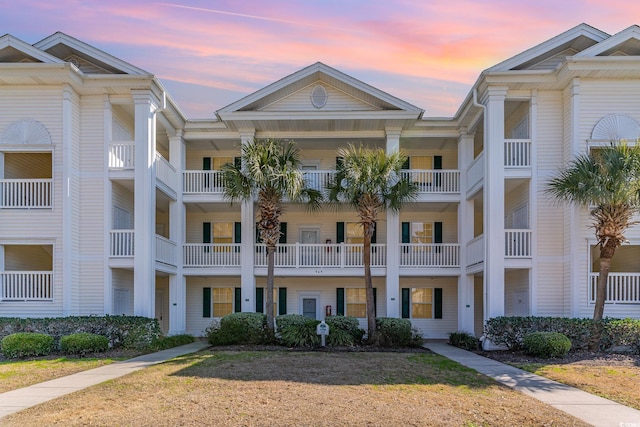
[161,315]
[309,308]
[310,254]
[521,303]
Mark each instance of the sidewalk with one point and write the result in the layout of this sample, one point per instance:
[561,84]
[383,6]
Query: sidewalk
[17,400]
[587,407]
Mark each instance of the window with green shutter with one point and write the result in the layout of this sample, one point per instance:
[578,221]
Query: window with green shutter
[259,300]
[206,302]
[282,301]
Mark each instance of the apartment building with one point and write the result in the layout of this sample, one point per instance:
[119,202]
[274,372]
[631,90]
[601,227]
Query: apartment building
[111,199]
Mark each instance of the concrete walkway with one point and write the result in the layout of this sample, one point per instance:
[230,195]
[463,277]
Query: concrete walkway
[17,400]
[587,407]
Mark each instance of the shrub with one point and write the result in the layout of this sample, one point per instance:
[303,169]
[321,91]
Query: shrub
[240,328]
[286,320]
[546,344]
[24,344]
[510,331]
[304,335]
[392,332]
[621,332]
[464,340]
[164,343]
[83,343]
[344,330]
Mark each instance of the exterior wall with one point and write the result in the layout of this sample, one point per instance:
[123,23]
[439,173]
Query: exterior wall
[162,302]
[515,282]
[122,198]
[122,284]
[336,101]
[196,324]
[514,200]
[478,302]
[437,328]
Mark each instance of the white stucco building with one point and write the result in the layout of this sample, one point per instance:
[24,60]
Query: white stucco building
[111,200]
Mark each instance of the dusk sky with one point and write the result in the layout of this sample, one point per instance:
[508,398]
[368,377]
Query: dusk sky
[209,54]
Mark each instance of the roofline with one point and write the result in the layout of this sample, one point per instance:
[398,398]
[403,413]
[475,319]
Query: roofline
[11,41]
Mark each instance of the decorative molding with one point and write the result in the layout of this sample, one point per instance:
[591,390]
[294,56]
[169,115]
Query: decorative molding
[25,132]
[616,127]
[319,96]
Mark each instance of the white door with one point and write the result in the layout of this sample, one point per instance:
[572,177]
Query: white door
[161,314]
[521,303]
[309,236]
[309,308]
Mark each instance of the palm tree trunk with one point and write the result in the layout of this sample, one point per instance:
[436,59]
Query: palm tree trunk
[368,282]
[606,253]
[269,306]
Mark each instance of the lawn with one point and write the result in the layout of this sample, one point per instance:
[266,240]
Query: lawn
[295,388]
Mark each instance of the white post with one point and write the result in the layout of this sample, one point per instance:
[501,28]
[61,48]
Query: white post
[68,280]
[465,235]
[393,240]
[108,205]
[177,233]
[144,288]
[247,245]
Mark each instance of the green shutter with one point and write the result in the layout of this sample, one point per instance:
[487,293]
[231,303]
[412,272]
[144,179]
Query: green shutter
[206,163]
[258,239]
[339,301]
[339,161]
[406,164]
[237,297]
[237,162]
[283,235]
[437,303]
[437,232]
[282,301]
[375,302]
[374,236]
[237,232]
[406,292]
[406,232]
[339,232]
[206,302]
[259,300]
[437,162]
[206,232]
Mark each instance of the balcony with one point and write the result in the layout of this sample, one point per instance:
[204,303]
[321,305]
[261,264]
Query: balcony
[622,288]
[166,173]
[121,243]
[426,255]
[122,158]
[338,255]
[202,182]
[517,153]
[517,243]
[26,286]
[211,255]
[434,181]
[26,193]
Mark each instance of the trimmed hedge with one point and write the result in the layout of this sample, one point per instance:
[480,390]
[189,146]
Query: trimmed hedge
[464,340]
[83,343]
[239,328]
[510,331]
[344,331]
[122,331]
[393,332]
[301,335]
[25,344]
[546,344]
[164,343]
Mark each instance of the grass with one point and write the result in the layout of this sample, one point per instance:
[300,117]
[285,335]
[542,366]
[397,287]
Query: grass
[298,389]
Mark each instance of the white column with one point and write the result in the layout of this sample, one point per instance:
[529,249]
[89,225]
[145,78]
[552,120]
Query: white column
[533,203]
[393,241]
[494,203]
[67,280]
[144,289]
[177,233]
[108,205]
[247,245]
[577,276]
[465,234]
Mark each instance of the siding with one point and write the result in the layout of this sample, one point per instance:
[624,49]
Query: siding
[336,101]
[123,282]
[515,281]
[437,328]
[196,324]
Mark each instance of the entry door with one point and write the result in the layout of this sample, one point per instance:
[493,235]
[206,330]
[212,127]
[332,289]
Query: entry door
[161,314]
[310,253]
[521,303]
[309,308]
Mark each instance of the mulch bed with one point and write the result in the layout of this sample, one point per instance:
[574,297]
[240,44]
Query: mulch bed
[582,357]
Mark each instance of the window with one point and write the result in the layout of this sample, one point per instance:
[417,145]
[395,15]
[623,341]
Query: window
[421,232]
[355,233]
[422,303]
[356,302]
[223,232]
[222,301]
[421,162]
[218,162]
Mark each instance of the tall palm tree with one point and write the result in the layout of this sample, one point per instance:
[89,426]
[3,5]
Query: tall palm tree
[370,181]
[606,181]
[269,171]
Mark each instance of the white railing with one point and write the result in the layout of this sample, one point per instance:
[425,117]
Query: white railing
[622,288]
[517,243]
[517,153]
[318,179]
[434,181]
[338,255]
[26,286]
[166,251]
[211,255]
[25,193]
[429,255]
[475,250]
[121,243]
[165,172]
[475,172]
[122,155]
[202,182]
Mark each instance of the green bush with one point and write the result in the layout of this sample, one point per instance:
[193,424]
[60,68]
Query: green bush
[286,320]
[344,331]
[621,332]
[83,343]
[464,340]
[392,332]
[304,335]
[164,343]
[546,344]
[24,344]
[240,328]
[122,331]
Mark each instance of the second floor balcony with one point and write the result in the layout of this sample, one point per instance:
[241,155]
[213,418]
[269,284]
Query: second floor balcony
[26,194]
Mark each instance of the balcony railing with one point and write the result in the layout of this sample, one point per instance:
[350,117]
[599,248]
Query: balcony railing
[26,286]
[475,172]
[165,172]
[211,255]
[166,251]
[318,179]
[121,242]
[517,243]
[25,193]
[475,250]
[434,181]
[517,153]
[622,288]
[340,255]
[202,182]
[121,155]
[429,255]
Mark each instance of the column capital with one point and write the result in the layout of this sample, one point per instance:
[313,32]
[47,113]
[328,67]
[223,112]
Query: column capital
[145,96]
[247,135]
[393,132]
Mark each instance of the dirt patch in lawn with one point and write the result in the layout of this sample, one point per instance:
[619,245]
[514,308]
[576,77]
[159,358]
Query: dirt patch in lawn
[298,388]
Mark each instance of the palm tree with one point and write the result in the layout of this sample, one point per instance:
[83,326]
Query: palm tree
[370,181]
[269,170]
[607,182]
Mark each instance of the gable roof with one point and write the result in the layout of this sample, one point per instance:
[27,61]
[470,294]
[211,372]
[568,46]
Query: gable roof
[319,72]
[573,41]
[64,46]
[629,36]
[11,47]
